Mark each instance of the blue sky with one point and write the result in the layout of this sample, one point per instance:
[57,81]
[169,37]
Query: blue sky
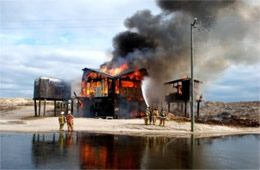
[59,38]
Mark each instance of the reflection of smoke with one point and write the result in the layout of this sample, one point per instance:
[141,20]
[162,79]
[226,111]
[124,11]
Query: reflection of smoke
[161,43]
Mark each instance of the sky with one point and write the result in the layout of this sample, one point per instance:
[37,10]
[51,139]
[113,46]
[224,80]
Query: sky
[59,38]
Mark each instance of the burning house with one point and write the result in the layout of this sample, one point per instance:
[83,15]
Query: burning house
[115,94]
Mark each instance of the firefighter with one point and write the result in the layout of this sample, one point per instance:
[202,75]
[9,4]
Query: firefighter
[146,116]
[155,114]
[62,121]
[69,119]
[162,118]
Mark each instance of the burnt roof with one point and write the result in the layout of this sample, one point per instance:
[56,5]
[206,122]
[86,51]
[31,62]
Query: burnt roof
[130,72]
[180,80]
[97,71]
[113,77]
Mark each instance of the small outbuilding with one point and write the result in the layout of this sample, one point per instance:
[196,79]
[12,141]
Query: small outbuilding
[50,89]
[180,92]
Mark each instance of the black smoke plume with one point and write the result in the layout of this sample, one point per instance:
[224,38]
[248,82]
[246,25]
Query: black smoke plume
[205,10]
[227,33]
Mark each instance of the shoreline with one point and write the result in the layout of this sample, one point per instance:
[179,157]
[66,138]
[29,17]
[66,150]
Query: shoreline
[22,120]
[128,127]
[170,135]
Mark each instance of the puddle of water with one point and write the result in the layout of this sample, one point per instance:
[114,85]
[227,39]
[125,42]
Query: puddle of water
[83,150]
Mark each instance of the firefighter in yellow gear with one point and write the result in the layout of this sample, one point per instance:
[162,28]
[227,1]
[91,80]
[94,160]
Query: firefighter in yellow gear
[62,121]
[162,118]
[146,115]
[155,114]
[70,123]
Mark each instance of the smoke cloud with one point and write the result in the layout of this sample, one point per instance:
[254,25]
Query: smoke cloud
[227,33]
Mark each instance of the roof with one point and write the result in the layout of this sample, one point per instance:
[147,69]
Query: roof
[49,78]
[97,71]
[130,72]
[180,80]
[113,77]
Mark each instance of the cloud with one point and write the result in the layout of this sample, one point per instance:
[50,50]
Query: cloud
[238,83]
[59,38]
[21,65]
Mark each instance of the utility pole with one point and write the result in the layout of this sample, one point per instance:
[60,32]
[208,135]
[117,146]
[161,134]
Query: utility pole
[191,75]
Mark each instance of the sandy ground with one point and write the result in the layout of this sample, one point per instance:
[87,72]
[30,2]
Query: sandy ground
[22,120]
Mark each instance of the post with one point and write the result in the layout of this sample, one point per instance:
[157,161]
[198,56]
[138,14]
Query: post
[169,107]
[54,107]
[78,106]
[185,108]
[39,107]
[61,106]
[198,109]
[35,108]
[67,109]
[72,105]
[44,107]
[191,78]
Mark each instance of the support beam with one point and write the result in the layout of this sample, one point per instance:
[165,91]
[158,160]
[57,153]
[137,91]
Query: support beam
[44,107]
[72,105]
[78,106]
[61,106]
[185,108]
[55,108]
[67,108]
[35,107]
[39,108]
[198,109]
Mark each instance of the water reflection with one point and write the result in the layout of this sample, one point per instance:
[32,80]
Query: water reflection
[112,152]
[80,150]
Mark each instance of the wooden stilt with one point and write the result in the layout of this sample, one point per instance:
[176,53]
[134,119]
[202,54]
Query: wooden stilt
[185,108]
[44,107]
[169,107]
[39,108]
[198,109]
[67,108]
[72,105]
[78,106]
[55,108]
[35,107]
[61,106]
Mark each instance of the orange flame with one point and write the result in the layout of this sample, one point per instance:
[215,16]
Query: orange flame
[80,104]
[115,71]
[184,76]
